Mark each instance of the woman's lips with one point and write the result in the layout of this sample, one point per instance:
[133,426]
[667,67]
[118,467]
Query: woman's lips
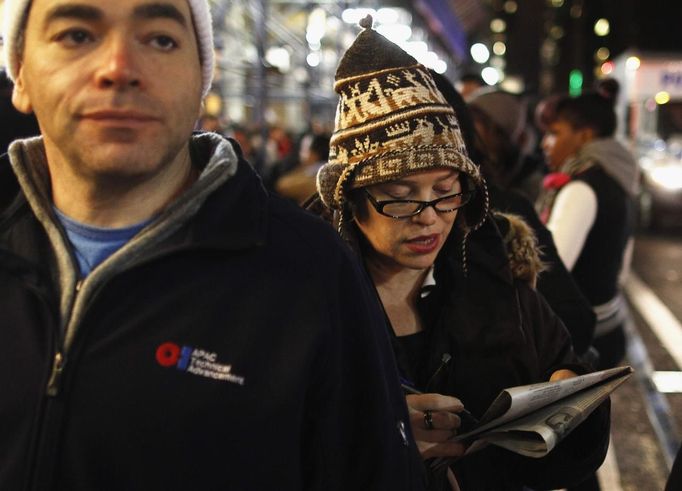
[424,244]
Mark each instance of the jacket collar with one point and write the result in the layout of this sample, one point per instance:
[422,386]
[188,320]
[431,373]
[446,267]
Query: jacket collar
[225,208]
[228,202]
[235,215]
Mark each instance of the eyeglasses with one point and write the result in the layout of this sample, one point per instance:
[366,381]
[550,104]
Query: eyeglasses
[405,208]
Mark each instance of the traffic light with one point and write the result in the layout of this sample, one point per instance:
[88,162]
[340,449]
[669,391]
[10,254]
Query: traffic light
[575,82]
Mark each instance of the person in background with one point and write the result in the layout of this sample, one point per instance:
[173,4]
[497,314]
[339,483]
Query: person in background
[465,319]
[555,281]
[469,82]
[588,205]
[300,183]
[504,141]
[166,324]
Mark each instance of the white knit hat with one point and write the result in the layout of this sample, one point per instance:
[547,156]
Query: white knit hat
[15,18]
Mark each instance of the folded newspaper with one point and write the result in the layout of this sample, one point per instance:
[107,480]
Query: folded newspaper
[531,419]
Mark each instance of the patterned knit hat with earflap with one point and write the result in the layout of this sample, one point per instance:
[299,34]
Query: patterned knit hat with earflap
[391,121]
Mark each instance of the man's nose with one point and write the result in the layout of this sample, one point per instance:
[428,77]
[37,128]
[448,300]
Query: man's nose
[119,67]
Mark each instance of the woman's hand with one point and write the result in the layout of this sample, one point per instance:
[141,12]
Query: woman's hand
[434,424]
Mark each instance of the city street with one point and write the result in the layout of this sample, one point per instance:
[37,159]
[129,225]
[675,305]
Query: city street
[645,419]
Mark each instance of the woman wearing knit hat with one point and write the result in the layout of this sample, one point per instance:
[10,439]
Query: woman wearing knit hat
[456,283]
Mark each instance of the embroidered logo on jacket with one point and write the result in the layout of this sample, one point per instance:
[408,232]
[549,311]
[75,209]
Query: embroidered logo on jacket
[196,361]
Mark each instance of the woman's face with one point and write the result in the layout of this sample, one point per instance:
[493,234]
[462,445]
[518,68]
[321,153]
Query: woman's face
[563,141]
[412,242]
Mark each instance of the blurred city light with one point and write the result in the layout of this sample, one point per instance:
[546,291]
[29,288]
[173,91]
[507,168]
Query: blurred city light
[490,75]
[213,104]
[440,66]
[662,97]
[557,32]
[278,57]
[575,82]
[602,27]
[510,6]
[557,3]
[398,33]
[602,54]
[480,53]
[498,62]
[668,177]
[499,48]
[313,59]
[416,48]
[353,16]
[387,16]
[607,67]
[632,63]
[498,25]
[317,24]
[514,85]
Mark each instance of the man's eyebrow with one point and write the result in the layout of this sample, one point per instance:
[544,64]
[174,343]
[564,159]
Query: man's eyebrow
[73,11]
[160,10]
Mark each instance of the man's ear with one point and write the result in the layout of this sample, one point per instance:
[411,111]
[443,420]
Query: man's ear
[20,97]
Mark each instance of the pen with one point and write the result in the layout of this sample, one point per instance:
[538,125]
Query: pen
[467,418]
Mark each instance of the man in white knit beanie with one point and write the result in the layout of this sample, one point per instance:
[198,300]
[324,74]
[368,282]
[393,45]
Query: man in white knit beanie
[166,324]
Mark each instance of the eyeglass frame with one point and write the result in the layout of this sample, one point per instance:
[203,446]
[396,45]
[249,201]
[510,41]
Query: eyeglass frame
[380,205]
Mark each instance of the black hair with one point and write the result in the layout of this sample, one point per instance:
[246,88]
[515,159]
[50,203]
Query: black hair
[472,77]
[609,88]
[320,146]
[589,110]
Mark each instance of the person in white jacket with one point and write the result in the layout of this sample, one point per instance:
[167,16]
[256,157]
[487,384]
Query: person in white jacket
[588,205]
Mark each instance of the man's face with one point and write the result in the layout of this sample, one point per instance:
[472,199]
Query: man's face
[115,85]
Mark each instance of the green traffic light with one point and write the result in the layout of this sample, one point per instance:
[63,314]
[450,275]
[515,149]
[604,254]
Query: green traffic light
[575,83]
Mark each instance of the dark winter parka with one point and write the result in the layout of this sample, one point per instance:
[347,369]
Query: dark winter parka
[499,332]
[232,344]
[489,329]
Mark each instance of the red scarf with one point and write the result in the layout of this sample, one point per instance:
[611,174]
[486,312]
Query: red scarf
[552,183]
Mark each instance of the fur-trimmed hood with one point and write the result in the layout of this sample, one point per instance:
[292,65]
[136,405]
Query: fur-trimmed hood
[522,249]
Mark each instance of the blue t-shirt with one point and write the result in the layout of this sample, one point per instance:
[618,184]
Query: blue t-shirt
[92,245]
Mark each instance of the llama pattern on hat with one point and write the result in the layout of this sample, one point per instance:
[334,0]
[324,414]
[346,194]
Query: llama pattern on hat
[391,108]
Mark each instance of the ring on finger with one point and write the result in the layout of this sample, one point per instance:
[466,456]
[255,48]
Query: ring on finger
[428,420]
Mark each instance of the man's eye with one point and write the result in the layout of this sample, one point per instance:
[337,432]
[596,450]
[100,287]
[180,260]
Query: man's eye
[164,43]
[75,37]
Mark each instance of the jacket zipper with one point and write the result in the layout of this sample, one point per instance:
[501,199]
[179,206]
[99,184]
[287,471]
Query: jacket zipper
[54,383]
[59,360]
